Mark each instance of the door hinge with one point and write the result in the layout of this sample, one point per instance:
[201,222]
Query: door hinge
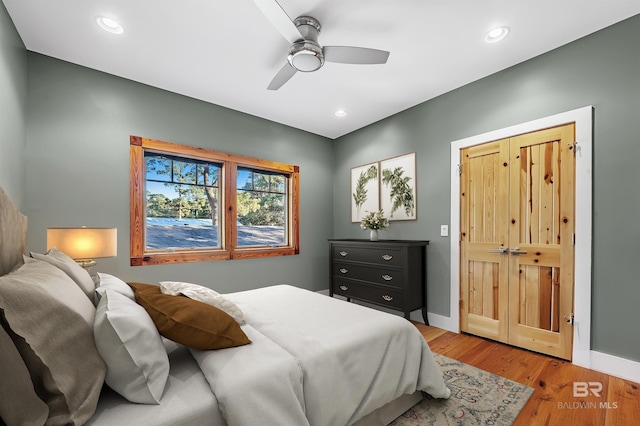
[574,146]
[574,238]
[459,169]
[569,319]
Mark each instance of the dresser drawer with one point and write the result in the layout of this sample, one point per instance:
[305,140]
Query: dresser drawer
[379,275]
[373,294]
[382,256]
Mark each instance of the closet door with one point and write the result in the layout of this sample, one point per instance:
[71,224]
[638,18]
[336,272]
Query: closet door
[541,230]
[516,241]
[484,190]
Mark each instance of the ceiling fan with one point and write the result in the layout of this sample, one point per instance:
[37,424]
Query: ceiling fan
[305,53]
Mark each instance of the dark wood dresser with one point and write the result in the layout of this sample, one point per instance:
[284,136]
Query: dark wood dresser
[391,273]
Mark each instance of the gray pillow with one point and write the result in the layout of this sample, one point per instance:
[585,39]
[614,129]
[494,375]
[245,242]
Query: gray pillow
[130,344]
[53,320]
[19,403]
[70,267]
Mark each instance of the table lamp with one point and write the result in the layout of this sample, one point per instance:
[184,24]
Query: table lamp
[84,244]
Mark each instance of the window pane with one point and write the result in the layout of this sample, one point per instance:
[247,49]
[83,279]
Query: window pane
[277,184]
[260,182]
[158,168]
[184,172]
[208,174]
[245,179]
[261,219]
[180,217]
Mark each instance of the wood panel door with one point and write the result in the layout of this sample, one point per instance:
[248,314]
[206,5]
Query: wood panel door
[532,220]
[484,240]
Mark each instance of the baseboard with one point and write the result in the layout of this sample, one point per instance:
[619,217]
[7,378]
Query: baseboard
[445,323]
[615,366]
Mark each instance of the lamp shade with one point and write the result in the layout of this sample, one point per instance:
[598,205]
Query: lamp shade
[84,243]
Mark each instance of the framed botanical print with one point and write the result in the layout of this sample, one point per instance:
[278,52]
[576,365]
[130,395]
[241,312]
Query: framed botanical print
[398,187]
[365,187]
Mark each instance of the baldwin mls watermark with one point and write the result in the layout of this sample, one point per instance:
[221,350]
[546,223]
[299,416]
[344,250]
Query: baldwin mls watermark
[584,390]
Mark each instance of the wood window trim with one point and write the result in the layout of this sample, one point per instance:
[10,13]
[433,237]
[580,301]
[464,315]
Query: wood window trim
[229,248]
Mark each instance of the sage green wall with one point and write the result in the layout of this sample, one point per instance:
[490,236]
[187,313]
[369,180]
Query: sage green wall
[13,109]
[77,169]
[600,70]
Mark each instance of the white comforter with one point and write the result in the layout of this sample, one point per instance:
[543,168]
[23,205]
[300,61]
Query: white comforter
[316,360]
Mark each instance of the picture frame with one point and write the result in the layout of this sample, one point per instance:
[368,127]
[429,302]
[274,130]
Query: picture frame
[365,190]
[398,196]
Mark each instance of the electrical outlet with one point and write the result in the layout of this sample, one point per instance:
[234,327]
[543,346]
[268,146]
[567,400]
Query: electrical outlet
[444,230]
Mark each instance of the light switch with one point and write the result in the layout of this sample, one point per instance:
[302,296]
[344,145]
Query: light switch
[444,230]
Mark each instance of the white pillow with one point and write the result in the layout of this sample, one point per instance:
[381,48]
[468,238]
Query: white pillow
[129,343]
[203,294]
[70,267]
[109,282]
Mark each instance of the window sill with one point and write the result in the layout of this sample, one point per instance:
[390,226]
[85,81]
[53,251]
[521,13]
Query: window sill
[252,253]
[179,257]
[209,256]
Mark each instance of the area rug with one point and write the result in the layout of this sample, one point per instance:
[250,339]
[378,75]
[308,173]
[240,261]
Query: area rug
[477,398]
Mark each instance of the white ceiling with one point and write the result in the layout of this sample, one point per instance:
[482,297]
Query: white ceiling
[226,52]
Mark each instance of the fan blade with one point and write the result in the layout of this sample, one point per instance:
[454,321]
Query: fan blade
[279,19]
[285,73]
[354,55]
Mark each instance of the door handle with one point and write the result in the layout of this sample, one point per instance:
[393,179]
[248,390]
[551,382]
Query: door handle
[517,251]
[500,250]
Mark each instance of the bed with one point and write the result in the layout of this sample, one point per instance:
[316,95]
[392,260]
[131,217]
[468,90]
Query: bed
[74,354]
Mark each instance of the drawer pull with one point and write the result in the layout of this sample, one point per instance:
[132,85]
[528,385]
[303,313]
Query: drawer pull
[387,298]
[344,288]
[387,257]
[387,277]
[344,253]
[344,270]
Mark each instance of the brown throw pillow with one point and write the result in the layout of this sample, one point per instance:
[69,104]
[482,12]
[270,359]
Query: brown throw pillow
[189,322]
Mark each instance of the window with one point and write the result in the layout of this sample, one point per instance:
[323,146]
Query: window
[181,202]
[261,198]
[191,204]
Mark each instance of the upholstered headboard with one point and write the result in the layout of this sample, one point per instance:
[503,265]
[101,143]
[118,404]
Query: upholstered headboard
[13,234]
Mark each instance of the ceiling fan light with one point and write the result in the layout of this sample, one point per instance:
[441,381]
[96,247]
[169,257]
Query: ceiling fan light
[497,34]
[305,61]
[306,57]
[109,25]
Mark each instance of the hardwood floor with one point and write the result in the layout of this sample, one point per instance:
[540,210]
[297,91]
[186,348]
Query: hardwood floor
[553,379]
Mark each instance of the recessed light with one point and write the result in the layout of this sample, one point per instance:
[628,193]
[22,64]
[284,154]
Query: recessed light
[340,113]
[110,25]
[497,34]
